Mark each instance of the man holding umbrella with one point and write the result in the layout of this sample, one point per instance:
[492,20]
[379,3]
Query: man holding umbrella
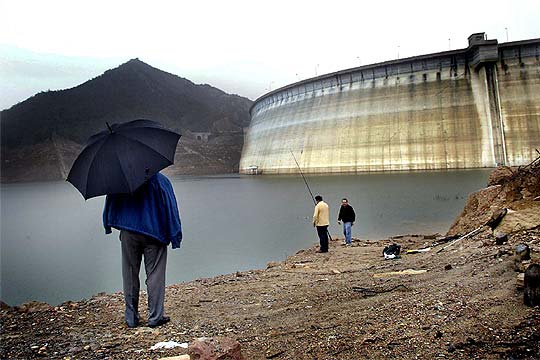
[123,163]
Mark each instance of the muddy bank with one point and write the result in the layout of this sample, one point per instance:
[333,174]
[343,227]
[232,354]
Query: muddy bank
[347,304]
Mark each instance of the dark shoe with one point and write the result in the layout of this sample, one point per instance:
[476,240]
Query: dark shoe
[322,251]
[162,321]
[131,326]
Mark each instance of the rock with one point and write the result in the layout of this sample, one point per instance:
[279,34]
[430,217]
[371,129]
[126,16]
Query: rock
[75,349]
[501,238]
[531,286]
[496,218]
[502,252]
[180,357]
[71,305]
[34,306]
[42,351]
[146,330]
[521,266]
[522,252]
[448,267]
[4,306]
[215,348]
[520,280]
[272,264]
[368,340]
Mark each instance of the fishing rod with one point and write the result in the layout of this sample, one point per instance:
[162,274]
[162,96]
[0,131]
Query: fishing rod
[309,189]
[305,181]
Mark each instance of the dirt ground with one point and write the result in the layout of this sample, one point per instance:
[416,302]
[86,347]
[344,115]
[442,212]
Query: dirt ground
[339,305]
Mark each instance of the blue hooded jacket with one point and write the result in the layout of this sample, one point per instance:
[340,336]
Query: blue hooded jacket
[151,210]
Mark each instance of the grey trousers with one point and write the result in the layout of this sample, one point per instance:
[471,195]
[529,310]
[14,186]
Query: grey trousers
[134,246]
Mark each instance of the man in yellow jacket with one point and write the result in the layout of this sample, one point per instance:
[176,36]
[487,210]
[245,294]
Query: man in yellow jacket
[321,220]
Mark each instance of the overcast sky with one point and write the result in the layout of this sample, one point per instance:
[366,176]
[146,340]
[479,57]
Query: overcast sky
[241,47]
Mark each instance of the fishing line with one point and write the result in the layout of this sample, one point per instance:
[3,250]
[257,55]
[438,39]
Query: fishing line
[305,181]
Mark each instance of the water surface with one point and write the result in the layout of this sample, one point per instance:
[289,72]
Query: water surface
[53,246]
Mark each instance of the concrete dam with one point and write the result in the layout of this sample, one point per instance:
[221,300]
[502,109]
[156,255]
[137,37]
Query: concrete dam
[470,108]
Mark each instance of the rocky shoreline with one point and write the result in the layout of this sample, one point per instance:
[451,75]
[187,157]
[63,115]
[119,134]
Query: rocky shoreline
[347,304]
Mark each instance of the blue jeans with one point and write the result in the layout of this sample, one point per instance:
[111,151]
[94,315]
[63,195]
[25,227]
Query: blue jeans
[322,231]
[347,231]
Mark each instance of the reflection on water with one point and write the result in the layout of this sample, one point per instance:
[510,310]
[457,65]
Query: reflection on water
[53,247]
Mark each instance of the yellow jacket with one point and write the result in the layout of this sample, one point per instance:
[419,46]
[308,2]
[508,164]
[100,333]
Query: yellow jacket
[321,215]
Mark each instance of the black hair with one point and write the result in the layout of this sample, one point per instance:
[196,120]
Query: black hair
[318,198]
[345,199]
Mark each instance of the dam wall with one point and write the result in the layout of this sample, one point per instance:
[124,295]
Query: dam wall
[470,108]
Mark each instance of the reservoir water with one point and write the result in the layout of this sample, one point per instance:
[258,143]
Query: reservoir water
[53,246]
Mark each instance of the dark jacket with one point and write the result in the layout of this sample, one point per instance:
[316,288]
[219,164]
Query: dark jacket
[346,214]
[151,210]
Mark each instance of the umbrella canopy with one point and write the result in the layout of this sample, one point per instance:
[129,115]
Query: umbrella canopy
[122,158]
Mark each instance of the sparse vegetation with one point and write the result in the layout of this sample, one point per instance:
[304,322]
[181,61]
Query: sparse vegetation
[133,90]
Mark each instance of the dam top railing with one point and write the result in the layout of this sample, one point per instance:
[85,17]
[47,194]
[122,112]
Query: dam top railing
[477,53]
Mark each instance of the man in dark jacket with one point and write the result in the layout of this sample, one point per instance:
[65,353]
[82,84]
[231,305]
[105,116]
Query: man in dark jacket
[347,215]
[148,221]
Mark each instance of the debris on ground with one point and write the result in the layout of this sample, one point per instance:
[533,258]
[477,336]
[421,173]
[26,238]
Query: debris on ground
[392,251]
[168,345]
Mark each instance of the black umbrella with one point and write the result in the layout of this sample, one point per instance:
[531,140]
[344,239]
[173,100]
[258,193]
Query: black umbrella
[122,158]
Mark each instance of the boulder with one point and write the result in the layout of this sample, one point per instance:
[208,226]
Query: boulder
[215,348]
[531,286]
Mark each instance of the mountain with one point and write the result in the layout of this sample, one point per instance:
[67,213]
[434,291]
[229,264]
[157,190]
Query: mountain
[41,136]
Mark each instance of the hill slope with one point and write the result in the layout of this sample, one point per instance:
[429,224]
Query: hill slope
[32,132]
